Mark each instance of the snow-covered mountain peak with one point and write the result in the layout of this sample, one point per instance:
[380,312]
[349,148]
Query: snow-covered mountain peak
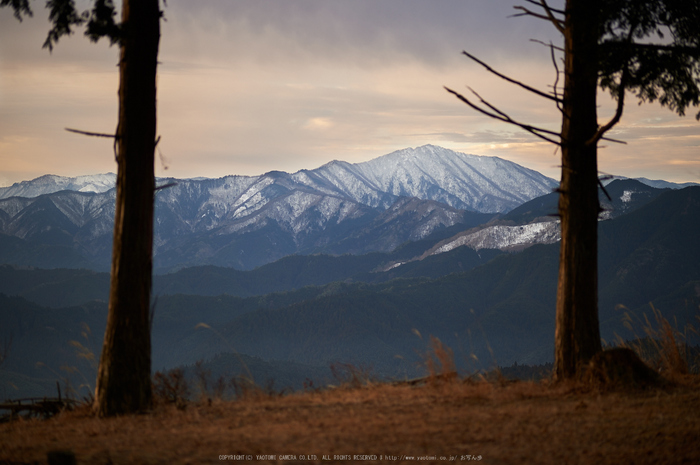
[49,183]
[471,182]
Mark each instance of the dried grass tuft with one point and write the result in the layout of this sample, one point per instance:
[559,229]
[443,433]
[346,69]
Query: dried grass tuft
[663,347]
[439,361]
[245,389]
[351,376]
[171,388]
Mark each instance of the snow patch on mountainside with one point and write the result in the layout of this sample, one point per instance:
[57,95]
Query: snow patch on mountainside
[505,237]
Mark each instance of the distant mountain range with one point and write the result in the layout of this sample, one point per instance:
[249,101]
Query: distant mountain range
[247,221]
[305,312]
[347,263]
[656,183]
[466,182]
[447,251]
[428,164]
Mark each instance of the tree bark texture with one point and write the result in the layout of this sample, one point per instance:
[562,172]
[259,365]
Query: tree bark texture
[577,337]
[124,375]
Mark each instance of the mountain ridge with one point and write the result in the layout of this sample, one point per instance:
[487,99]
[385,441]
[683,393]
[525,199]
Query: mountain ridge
[98,183]
[408,172]
[244,221]
[50,183]
[248,221]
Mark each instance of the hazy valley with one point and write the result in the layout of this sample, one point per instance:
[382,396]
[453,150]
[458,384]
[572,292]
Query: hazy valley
[350,264]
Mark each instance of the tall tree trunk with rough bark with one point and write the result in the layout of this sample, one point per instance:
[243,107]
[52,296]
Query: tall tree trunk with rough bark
[647,47]
[577,336]
[124,376]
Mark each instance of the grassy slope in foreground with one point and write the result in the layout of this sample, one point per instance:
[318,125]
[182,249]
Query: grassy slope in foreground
[514,423]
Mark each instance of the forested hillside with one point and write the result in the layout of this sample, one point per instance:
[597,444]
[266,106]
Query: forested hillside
[499,312]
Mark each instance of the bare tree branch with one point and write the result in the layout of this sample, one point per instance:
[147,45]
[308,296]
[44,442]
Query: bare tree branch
[548,45]
[600,183]
[166,186]
[92,134]
[556,80]
[501,116]
[544,5]
[618,113]
[558,23]
[510,120]
[617,141]
[511,80]
[620,96]
[99,134]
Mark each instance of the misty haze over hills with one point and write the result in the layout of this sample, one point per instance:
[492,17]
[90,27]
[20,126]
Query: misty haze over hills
[308,312]
[338,264]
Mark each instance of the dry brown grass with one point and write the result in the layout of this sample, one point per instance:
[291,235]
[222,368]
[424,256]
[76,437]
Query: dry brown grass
[439,361]
[663,346]
[521,422]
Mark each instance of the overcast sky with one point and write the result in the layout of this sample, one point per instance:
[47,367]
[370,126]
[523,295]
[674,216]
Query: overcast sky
[249,86]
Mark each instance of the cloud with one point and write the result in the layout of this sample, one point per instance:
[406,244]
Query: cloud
[318,123]
[365,33]
[249,86]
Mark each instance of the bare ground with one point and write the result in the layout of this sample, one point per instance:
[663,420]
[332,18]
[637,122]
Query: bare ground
[460,421]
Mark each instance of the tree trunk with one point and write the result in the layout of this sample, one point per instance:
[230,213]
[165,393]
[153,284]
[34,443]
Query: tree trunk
[577,337]
[124,376]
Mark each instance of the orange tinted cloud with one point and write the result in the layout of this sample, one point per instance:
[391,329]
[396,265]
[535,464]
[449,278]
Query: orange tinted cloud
[251,86]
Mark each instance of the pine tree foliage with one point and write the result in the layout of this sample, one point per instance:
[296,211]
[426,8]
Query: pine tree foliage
[99,21]
[655,45]
[20,7]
